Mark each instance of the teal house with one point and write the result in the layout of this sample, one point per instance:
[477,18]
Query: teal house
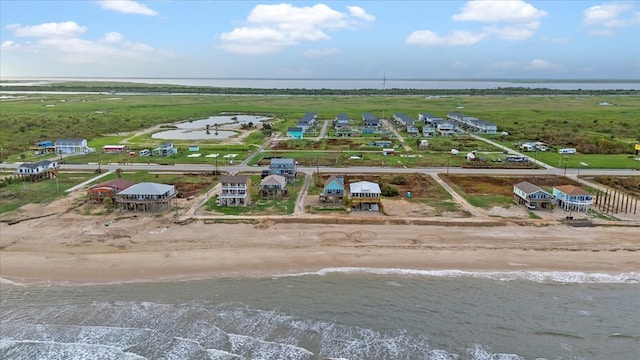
[295,132]
[333,191]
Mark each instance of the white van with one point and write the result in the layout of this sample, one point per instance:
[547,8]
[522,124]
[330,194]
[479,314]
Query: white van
[144,152]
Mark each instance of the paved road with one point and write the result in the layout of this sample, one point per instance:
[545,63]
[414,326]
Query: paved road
[354,169]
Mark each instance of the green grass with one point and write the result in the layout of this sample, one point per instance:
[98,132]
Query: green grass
[20,193]
[557,120]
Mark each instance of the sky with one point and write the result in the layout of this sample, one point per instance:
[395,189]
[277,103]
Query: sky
[478,39]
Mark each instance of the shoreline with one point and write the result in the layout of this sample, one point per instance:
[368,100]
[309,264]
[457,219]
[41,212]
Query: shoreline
[82,251]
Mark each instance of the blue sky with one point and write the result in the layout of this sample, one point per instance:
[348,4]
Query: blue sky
[332,39]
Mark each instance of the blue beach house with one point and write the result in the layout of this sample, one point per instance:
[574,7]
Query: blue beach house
[333,191]
[295,132]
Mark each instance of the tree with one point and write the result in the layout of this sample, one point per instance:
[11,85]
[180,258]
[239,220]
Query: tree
[108,202]
[119,173]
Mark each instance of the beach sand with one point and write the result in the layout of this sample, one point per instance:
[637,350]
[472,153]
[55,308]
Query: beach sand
[67,247]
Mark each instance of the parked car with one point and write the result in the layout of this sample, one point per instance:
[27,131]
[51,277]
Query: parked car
[530,206]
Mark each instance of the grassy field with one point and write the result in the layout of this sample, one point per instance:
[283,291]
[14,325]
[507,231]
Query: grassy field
[560,121]
[20,193]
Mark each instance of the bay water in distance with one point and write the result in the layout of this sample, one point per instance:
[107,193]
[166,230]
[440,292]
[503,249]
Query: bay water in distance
[332,314]
[339,84]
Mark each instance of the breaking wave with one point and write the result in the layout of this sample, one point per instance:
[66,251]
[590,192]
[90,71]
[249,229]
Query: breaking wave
[535,276]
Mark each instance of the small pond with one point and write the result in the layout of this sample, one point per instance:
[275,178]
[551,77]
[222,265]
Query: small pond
[221,121]
[197,129]
[183,134]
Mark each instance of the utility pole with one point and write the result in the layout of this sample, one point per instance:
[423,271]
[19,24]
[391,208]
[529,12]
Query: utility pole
[565,166]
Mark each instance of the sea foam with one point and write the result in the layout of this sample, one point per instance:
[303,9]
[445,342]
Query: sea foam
[536,276]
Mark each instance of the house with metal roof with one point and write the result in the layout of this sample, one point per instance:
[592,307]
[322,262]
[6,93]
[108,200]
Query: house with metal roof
[365,195]
[531,196]
[234,190]
[147,196]
[273,187]
[572,198]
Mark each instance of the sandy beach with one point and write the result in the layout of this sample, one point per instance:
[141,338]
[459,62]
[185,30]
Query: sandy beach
[76,249]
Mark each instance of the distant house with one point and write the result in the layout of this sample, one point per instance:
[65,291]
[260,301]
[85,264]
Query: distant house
[307,121]
[165,149]
[365,195]
[530,195]
[115,149]
[370,120]
[344,131]
[72,146]
[428,131]
[341,120]
[147,196]
[428,118]
[234,191]
[43,147]
[273,187]
[572,198]
[403,120]
[295,132]
[445,128]
[383,143]
[472,124]
[333,191]
[284,167]
[424,145]
[108,189]
[413,131]
[36,171]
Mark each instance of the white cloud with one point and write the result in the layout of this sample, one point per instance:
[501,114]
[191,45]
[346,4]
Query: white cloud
[62,42]
[512,20]
[61,29]
[318,53]
[358,12]
[8,45]
[127,7]
[512,11]
[269,28]
[455,38]
[603,19]
[535,65]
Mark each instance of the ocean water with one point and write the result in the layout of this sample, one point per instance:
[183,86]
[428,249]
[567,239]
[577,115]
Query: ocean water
[333,314]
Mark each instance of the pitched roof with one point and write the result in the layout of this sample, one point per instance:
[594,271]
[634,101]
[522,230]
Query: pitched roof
[571,190]
[339,180]
[237,179]
[147,188]
[274,179]
[364,187]
[115,183]
[527,187]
